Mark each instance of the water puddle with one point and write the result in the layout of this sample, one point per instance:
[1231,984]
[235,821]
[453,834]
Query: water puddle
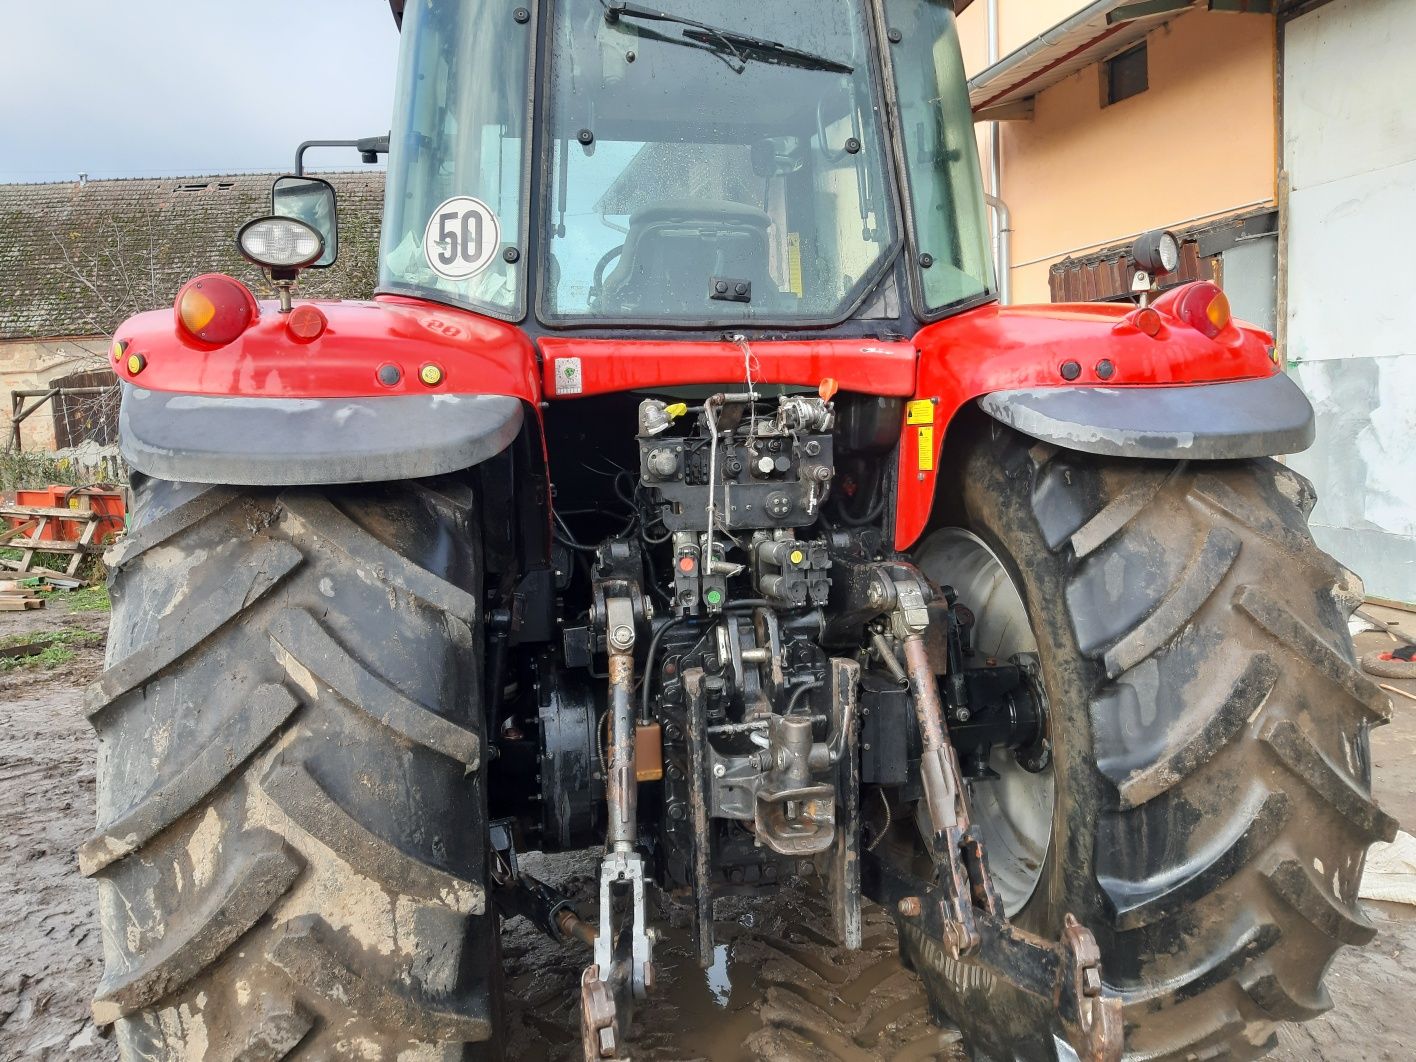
[720,982]
[777,988]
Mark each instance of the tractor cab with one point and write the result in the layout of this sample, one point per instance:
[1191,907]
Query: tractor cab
[695,165]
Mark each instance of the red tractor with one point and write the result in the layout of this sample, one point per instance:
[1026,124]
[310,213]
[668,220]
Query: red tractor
[685,491]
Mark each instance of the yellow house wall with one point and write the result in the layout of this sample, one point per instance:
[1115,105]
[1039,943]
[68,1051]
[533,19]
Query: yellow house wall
[1019,21]
[1199,143]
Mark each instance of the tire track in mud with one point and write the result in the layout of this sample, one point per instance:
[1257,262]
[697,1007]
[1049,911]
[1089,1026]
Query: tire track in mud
[780,989]
[52,955]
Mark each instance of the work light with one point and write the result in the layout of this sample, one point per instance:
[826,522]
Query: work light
[1157,252]
[280,243]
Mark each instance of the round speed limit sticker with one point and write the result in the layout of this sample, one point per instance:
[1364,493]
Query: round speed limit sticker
[462,238]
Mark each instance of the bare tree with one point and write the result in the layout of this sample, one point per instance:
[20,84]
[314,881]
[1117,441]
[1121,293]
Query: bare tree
[117,278]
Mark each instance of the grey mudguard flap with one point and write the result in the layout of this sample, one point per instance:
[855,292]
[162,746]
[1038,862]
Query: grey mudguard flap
[1202,422]
[310,441]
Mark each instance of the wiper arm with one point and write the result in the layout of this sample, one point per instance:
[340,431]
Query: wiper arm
[742,46]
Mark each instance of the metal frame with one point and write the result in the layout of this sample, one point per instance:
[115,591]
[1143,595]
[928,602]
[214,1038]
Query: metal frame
[19,413]
[536,179]
[524,240]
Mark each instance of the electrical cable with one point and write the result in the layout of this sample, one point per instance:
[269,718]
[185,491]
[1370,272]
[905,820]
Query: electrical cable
[664,628]
[800,692]
[883,829]
[565,538]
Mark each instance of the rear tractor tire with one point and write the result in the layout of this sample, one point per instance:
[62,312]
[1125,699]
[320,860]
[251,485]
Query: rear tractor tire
[1210,805]
[291,853]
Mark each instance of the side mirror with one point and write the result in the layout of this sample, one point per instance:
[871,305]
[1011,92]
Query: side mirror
[312,201]
[777,156]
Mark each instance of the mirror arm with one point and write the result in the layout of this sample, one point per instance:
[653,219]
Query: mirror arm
[369,148]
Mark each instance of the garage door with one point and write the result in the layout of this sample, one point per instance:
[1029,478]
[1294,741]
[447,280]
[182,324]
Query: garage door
[1349,115]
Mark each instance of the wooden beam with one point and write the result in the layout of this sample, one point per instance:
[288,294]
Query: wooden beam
[60,514]
[40,545]
[14,532]
[63,390]
[11,652]
[33,570]
[1015,111]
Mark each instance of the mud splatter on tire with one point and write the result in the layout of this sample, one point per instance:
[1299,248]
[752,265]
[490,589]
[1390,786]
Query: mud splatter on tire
[290,854]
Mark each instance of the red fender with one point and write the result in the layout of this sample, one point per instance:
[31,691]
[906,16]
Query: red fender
[477,355]
[998,348]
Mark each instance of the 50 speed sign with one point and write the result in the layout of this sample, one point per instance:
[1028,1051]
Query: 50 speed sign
[462,238]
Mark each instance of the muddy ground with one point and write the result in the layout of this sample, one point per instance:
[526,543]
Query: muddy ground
[778,991]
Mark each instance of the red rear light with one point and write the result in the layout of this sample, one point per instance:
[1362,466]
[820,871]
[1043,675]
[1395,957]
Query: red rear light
[215,309]
[1201,305]
[306,322]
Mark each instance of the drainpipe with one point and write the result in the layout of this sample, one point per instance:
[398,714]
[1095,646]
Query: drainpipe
[1003,226]
[1005,247]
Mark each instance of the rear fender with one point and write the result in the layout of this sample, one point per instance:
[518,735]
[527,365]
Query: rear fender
[1086,378]
[392,389]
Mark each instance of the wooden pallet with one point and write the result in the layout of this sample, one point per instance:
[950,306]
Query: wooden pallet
[17,598]
[35,520]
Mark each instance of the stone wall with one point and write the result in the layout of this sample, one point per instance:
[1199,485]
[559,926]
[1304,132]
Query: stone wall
[31,364]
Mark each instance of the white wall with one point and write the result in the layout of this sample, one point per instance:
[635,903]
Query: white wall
[1350,151]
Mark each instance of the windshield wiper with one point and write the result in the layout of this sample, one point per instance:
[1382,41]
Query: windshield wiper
[742,46]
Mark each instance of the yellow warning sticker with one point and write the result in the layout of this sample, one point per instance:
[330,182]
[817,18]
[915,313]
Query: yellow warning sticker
[926,449]
[920,412]
[794,278]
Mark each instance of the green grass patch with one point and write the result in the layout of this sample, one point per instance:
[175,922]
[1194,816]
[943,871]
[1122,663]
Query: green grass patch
[88,599]
[58,648]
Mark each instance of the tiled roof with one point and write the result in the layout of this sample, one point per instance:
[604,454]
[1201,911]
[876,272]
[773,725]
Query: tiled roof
[77,259]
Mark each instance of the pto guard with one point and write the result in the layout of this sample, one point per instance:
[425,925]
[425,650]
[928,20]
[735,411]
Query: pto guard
[311,441]
[1202,422]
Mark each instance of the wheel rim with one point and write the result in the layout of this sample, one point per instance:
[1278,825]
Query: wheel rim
[1014,812]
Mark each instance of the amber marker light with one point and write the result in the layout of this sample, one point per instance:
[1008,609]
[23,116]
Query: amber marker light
[135,364]
[1218,312]
[1202,306]
[431,374]
[215,309]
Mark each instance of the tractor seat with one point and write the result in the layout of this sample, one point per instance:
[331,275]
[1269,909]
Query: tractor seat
[675,248]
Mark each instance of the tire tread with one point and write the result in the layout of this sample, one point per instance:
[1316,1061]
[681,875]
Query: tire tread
[229,913]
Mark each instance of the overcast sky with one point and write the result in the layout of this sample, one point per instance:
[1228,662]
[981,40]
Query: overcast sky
[148,88]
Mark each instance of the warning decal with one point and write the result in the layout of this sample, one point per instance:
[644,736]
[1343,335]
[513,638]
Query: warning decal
[926,449]
[462,238]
